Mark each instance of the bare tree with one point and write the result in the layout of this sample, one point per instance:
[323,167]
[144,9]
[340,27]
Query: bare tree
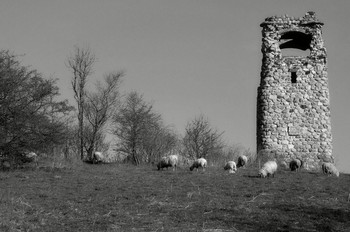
[132,123]
[159,140]
[81,65]
[201,139]
[99,108]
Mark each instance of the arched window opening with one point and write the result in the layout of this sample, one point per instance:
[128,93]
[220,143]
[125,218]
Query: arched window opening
[295,43]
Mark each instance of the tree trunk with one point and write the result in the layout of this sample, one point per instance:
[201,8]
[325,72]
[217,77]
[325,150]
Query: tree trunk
[81,134]
[134,157]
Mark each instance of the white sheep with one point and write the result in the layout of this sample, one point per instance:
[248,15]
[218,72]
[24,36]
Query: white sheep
[295,164]
[168,161]
[231,166]
[329,169]
[201,162]
[268,169]
[97,157]
[242,161]
[31,157]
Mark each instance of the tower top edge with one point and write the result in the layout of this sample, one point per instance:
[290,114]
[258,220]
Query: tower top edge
[309,19]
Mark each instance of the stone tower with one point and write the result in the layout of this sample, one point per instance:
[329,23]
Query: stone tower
[293,107]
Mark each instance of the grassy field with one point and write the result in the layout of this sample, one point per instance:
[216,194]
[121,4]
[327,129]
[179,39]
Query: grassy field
[116,197]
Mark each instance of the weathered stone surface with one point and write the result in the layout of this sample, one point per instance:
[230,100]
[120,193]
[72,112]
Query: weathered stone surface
[293,113]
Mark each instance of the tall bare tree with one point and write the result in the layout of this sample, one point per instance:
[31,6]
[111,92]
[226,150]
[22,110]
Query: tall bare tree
[133,122]
[99,108]
[201,139]
[81,65]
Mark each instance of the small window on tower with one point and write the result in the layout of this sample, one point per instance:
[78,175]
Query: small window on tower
[294,77]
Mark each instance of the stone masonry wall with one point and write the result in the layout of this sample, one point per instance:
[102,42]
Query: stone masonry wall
[293,107]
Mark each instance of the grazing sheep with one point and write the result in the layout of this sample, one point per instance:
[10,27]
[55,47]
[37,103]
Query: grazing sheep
[34,157]
[242,161]
[168,161]
[295,164]
[201,162]
[97,157]
[162,163]
[329,169]
[231,166]
[30,157]
[268,169]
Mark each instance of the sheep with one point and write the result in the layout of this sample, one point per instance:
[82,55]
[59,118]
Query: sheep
[33,156]
[295,164]
[201,162]
[268,169]
[163,163]
[242,161]
[231,166]
[30,157]
[168,161]
[97,157]
[329,169]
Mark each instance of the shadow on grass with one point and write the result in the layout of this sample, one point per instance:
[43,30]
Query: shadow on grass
[251,176]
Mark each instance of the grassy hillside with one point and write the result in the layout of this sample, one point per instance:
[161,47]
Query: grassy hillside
[114,197]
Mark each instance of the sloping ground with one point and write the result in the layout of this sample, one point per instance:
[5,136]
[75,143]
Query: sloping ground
[119,197]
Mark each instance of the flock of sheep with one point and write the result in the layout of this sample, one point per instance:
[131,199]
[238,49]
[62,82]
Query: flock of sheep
[268,169]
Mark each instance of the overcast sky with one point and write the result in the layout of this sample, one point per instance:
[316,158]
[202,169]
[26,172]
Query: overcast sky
[187,57]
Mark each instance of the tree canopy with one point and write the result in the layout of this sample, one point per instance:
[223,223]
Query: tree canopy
[142,137]
[201,139]
[30,116]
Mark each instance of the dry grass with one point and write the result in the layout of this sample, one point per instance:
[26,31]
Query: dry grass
[118,197]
